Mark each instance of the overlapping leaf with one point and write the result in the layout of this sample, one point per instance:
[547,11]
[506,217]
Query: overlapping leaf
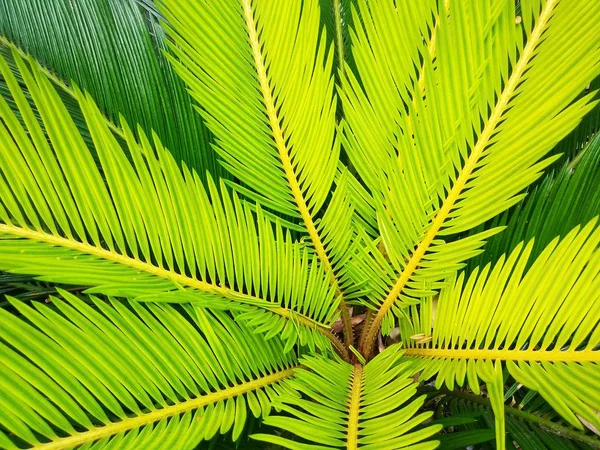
[445,131]
[139,227]
[113,50]
[542,323]
[111,374]
[345,406]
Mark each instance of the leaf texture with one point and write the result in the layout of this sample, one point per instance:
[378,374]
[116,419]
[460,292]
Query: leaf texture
[138,227]
[112,374]
[374,407]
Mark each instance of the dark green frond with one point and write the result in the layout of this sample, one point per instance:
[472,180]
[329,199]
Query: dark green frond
[113,50]
[525,430]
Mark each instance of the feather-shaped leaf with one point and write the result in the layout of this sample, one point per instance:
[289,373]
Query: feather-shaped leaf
[138,227]
[345,406]
[109,374]
[541,323]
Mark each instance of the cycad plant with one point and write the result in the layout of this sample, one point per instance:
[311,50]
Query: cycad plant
[287,266]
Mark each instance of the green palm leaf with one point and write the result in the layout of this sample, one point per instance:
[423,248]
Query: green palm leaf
[140,227]
[543,324]
[344,406]
[452,144]
[280,143]
[124,375]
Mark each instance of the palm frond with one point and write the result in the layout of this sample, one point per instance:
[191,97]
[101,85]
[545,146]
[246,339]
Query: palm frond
[140,227]
[345,406]
[267,62]
[117,374]
[541,323]
[113,50]
[445,131]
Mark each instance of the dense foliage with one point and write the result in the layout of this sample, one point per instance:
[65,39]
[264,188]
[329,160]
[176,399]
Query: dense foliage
[299,224]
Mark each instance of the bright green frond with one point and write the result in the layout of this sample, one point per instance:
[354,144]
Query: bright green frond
[345,406]
[267,62]
[140,226]
[446,131]
[124,375]
[542,323]
[113,50]
[261,72]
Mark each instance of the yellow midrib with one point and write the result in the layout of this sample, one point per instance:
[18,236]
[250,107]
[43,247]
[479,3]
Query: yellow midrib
[169,411]
[177,278]
[508,355]
[284,153]
[354,407]
[286,161]
[465,173]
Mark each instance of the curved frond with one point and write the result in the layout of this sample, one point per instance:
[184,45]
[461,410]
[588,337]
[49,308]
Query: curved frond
[285,151]
[350,407]
[108,374]
[446,133]
[141,226]
[267,62]
[542,324]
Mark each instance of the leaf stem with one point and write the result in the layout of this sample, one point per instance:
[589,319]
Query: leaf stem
[339,37]
[354,407]
[507,355]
